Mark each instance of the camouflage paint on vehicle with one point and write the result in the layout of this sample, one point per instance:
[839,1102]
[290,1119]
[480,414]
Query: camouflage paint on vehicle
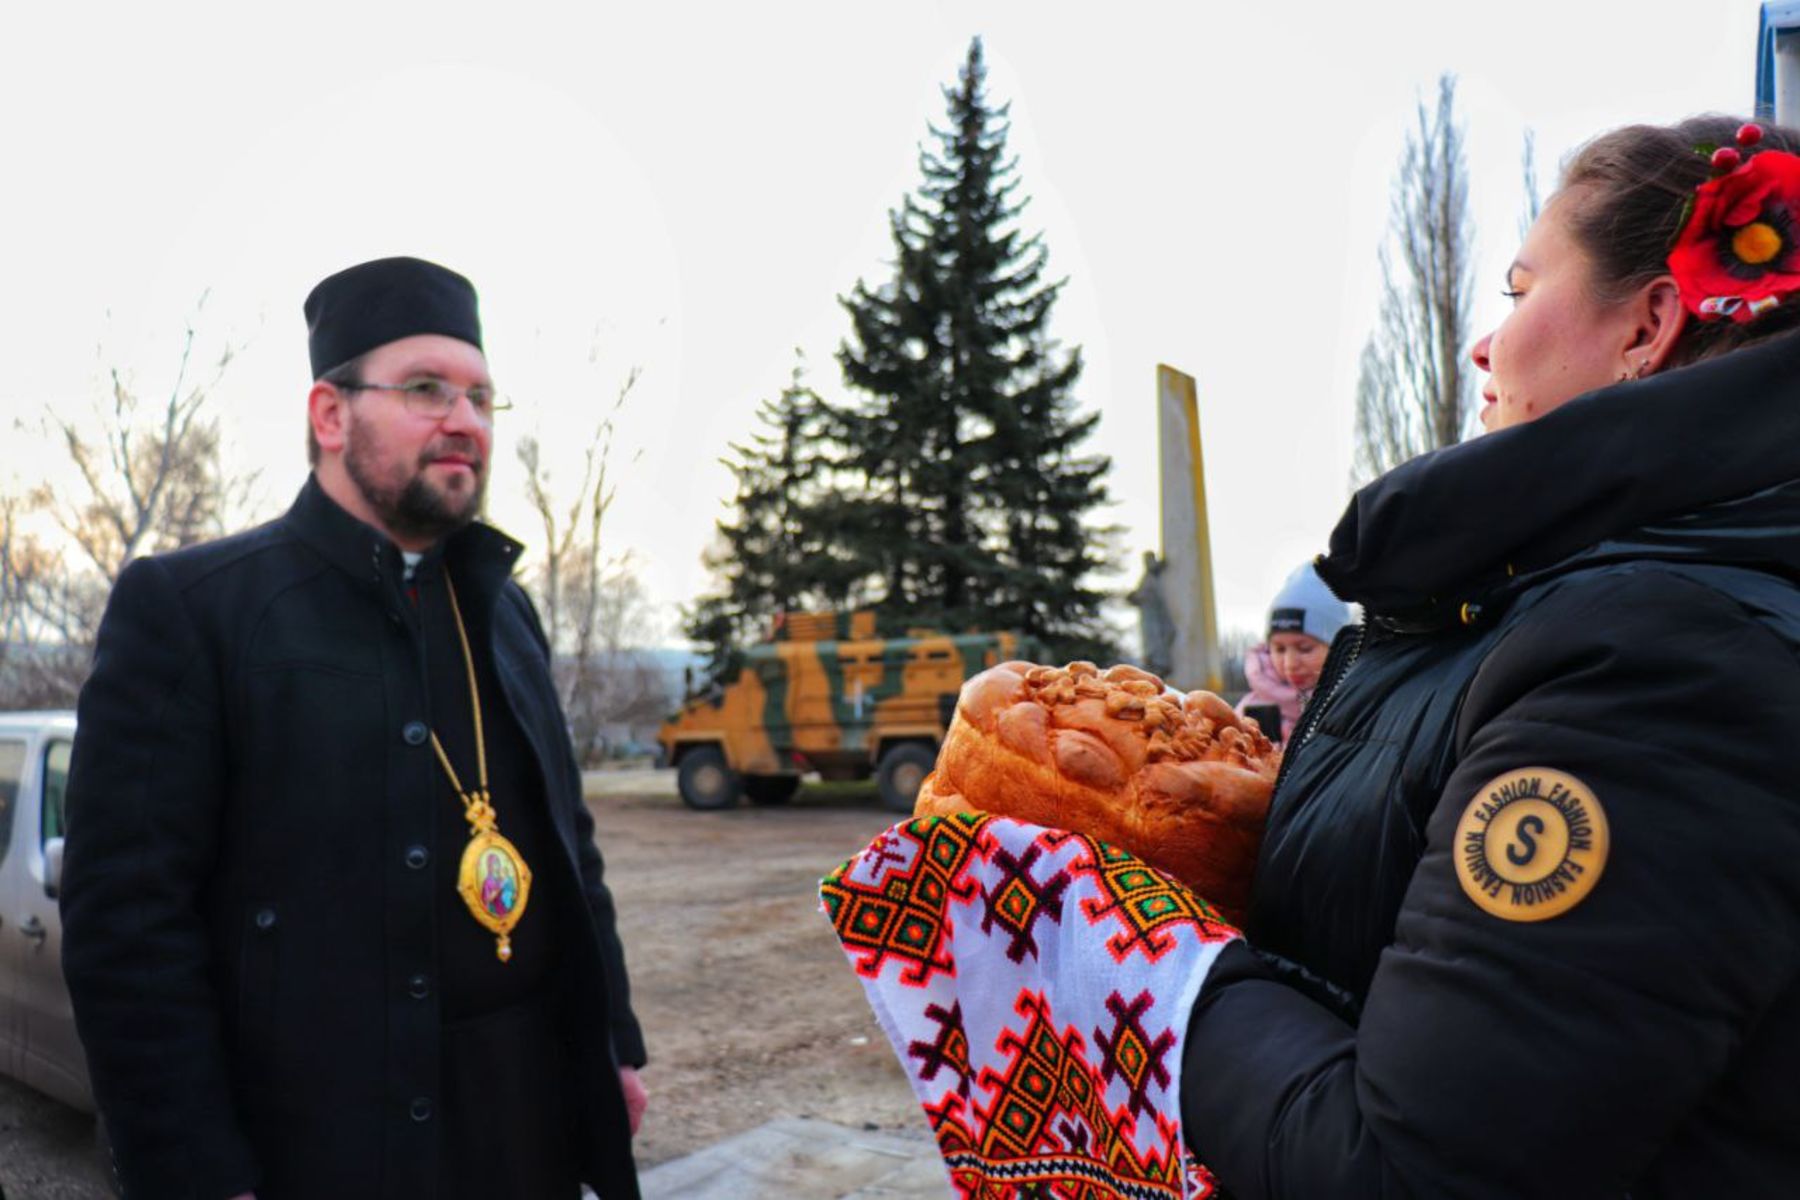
[825,694]
[731,720]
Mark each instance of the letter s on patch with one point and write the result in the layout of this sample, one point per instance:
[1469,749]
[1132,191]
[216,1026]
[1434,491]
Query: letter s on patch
[1540,833]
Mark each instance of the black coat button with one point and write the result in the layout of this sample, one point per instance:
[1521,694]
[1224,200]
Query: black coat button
[415,733]
[418,987]
[265,919]
[417,857]
[420,1109]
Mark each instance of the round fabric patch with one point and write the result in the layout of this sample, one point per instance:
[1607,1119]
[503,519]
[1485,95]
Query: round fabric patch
[1531,845]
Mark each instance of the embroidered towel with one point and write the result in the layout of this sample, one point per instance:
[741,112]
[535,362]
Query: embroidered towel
[1036,986]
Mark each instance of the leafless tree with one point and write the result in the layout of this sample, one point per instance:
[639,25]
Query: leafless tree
[1413,390]
[152,477]
[617,686]
[1534,200]
[593,604]
[571,551]
[19,569]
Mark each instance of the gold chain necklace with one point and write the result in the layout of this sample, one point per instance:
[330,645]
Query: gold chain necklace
[493,879]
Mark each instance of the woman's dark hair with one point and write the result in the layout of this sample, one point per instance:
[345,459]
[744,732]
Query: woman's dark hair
[1634,187]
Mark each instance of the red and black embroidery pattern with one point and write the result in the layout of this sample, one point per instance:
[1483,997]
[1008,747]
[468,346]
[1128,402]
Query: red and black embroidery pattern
[902,919]
[1148,906]
[1036,985]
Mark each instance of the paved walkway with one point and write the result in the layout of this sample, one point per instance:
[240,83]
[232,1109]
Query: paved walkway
[797,1158]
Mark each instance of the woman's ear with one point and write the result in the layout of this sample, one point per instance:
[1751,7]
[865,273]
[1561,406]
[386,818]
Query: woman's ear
[1660,320]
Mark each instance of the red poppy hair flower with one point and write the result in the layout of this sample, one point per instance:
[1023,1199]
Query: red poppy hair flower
[1739,253]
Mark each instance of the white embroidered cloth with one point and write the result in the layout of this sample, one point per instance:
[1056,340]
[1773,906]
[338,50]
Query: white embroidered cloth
[1036,986]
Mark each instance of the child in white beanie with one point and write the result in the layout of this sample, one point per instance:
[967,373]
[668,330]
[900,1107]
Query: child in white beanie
[1284,669]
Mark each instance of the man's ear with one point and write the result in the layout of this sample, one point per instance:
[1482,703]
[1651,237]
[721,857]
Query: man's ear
[1661,318]
[328,409]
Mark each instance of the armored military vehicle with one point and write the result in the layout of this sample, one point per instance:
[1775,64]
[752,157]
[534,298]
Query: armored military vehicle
[825,694]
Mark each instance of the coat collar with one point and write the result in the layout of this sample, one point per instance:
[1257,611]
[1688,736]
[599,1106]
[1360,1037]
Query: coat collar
[483,557]
[1470,519]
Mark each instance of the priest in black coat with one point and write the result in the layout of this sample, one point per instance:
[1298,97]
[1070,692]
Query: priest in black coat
[335,921]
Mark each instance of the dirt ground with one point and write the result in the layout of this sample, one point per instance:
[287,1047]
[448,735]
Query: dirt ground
[749,1006]
[750,1009]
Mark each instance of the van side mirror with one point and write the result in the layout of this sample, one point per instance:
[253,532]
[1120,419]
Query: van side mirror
[53,856]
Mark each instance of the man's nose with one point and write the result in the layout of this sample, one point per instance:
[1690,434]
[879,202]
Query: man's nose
[463,417]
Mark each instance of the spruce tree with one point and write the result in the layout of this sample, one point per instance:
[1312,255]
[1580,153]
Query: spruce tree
[778,551]
[977,506]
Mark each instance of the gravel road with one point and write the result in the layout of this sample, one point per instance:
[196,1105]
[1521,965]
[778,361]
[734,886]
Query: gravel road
[46,1149]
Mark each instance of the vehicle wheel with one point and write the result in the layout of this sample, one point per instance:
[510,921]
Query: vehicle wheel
[771,789]
[705,782]
[902,769]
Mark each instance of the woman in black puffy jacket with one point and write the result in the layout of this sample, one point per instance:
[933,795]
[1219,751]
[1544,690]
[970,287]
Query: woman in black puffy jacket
[1526,920]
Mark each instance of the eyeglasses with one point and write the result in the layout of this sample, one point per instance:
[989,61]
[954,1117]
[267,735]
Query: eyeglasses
[435,398]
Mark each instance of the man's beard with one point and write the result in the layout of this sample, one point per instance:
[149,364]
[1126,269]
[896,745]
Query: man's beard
[416,510]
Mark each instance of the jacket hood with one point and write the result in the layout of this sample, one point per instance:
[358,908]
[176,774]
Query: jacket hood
[1700,463]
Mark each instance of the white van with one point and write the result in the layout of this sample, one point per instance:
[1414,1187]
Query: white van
[37,1025]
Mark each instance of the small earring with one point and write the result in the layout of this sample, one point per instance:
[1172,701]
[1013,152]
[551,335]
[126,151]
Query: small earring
[1643,365]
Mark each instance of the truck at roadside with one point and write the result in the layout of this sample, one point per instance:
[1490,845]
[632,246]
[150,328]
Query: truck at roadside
[825,694]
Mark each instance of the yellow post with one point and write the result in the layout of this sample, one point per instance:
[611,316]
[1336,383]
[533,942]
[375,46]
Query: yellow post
[1186,543]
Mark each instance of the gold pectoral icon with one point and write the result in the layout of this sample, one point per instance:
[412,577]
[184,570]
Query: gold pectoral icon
[495,884]
[493,879]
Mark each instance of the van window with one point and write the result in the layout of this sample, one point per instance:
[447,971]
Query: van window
[12,768]
[56,783]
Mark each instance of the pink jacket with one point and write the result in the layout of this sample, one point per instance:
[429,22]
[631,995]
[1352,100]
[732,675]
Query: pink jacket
[1266,687]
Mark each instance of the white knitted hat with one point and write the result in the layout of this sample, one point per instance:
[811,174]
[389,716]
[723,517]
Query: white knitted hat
[1305,605]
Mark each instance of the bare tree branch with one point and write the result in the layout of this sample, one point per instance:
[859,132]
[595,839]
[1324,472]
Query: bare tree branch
[592,602]
[1413,389]
[1534,203]
[148,482]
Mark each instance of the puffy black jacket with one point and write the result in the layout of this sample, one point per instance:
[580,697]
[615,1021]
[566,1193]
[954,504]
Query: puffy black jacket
[1604,596]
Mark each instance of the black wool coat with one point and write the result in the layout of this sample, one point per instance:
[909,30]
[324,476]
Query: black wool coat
[1607,595]
[248,894]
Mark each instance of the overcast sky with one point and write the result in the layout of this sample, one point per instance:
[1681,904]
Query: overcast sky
[687,188]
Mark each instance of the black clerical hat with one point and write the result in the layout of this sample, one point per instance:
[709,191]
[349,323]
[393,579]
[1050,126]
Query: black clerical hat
[374,303]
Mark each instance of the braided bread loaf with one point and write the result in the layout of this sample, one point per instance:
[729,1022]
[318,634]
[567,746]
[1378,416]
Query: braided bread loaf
[1180,781]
